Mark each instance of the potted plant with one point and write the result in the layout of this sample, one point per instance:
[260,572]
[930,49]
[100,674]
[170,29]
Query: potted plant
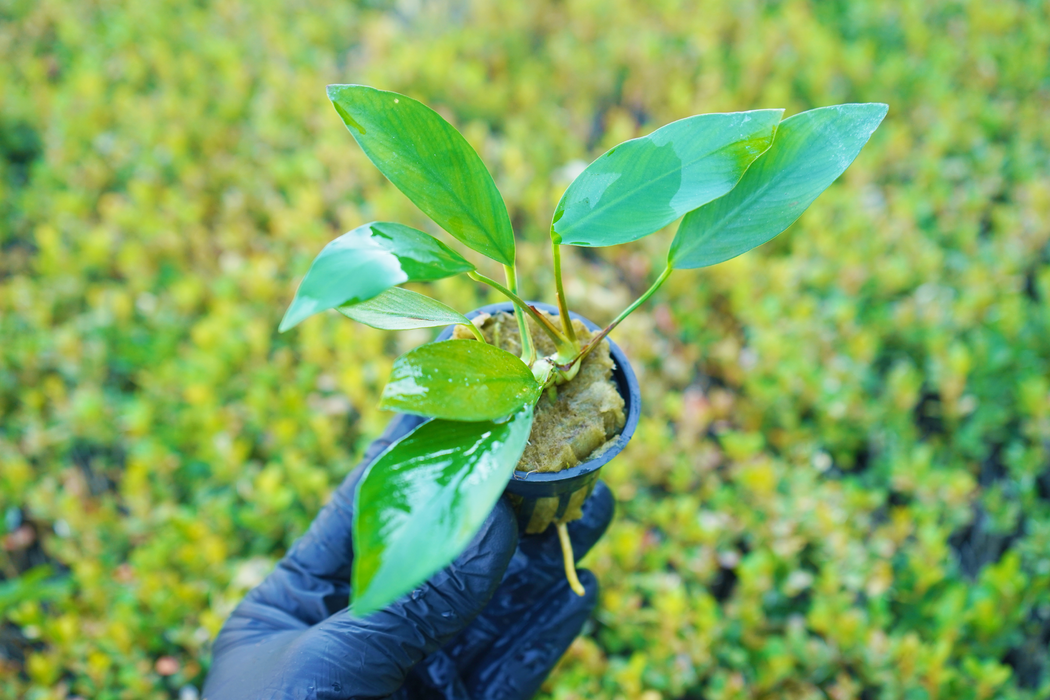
[534,401]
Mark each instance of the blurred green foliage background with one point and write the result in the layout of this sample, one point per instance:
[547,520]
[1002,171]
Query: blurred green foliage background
[841,484]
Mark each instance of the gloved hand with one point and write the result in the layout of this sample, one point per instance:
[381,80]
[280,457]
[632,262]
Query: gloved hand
[491,625]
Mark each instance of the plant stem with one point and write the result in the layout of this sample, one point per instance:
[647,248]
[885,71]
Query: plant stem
[563,306]
[558,338]
[528,349]
[593,342]
[569,560]
[475,331]
[641,300]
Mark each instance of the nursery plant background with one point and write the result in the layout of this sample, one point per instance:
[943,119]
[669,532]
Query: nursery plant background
[840,487]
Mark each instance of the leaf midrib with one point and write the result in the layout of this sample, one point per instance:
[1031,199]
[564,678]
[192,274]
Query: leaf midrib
[725,219]
[433,177]
[594,212]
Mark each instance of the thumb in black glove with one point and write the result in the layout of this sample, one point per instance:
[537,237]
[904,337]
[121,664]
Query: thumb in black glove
[491,625]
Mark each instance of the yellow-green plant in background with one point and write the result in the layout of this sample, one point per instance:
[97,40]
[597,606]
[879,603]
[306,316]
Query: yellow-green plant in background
[840,484]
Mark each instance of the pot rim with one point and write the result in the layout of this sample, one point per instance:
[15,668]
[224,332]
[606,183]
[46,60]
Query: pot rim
[544,484]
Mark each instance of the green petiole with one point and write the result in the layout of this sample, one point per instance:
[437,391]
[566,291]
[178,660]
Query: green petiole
[593,342]
[563,307]
[563,345]
[528,348]
[475,331]
[569,355]
[638,302]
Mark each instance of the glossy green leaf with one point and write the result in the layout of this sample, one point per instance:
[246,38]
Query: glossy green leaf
[644,184]
[459,380]
[423,500]
[427,159]
[399,309]
[810,151]
[369,260]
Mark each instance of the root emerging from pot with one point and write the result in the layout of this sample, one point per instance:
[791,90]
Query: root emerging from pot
[574,421]
[569,560]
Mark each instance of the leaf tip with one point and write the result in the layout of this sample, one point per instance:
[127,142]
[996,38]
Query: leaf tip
[875,110]
[333,90]
[301,308]
[288,322]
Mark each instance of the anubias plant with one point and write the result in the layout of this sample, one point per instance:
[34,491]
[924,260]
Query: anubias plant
[737,180]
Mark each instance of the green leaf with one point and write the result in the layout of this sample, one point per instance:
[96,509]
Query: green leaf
[398,309]
[427,159]
[810,151]
[423,500]
[462,380]
[369,260]
[644,184]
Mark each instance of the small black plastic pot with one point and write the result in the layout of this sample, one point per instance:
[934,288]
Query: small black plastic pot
[544,497]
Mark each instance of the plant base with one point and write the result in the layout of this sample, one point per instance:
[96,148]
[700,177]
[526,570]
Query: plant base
[575,421]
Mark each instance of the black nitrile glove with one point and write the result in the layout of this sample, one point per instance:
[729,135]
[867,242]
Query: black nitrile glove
[491,625]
